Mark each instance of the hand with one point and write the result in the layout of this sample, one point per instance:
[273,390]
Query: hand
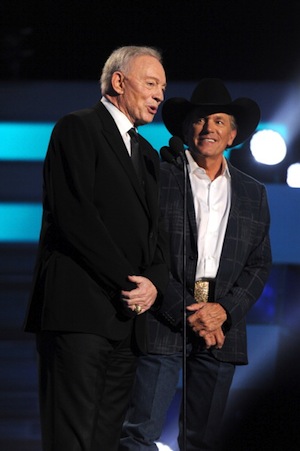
[208,317]
[215,338]
[144,295]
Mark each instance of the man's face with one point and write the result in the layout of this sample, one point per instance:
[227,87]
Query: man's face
[144,85]
[209,136]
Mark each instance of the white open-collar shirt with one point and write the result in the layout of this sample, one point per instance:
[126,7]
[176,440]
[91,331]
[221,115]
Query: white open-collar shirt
[212,199]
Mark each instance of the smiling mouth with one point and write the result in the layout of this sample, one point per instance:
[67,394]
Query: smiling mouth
[210,140]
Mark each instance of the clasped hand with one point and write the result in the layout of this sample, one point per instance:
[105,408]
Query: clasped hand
[143,296]
[206,321]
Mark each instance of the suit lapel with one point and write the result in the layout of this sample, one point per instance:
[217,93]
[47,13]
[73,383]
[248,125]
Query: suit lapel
[150,188]
[232,242]
[116,143]
[179,176]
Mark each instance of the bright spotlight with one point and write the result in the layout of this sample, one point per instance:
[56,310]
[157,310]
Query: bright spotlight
[268,147]
[163,447]
[293,175]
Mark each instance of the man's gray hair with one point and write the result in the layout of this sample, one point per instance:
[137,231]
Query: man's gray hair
[120,59]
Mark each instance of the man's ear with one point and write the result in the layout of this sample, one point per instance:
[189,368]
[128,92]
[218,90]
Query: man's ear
[232,137]
[117,82]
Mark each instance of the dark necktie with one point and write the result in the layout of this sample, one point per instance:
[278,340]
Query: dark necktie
[135,155]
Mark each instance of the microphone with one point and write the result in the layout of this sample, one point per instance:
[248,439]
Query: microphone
[167,155]
[177,146]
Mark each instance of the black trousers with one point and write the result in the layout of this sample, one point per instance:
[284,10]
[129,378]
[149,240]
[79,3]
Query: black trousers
[85,382]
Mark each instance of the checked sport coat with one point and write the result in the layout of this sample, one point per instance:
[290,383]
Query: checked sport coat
[244,265]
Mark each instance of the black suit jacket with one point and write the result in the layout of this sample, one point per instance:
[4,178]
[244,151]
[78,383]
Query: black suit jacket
[244,265]
[98,227]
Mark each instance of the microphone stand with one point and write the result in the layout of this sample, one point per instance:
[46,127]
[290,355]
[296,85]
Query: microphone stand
[184,338]
[176,144]
[178,150]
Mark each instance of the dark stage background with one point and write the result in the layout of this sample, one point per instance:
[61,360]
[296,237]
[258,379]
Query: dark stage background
[70,39]
[51,53]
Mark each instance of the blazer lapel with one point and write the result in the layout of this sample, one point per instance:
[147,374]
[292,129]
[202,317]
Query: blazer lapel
[179,176]
[115,141]
[231,243]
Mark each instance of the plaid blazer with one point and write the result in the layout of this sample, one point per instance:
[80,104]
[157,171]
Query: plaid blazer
[244,265]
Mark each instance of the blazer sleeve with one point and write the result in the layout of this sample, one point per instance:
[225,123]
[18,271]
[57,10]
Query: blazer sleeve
[249,257]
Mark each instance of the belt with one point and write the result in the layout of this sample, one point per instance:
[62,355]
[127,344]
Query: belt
[204,290]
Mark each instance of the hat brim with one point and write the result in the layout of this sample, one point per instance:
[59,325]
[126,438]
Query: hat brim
[245,111]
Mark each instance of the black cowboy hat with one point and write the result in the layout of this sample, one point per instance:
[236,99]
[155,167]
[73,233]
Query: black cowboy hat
[211,96]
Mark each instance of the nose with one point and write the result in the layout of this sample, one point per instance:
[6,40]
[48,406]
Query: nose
[159,94]
[207,126]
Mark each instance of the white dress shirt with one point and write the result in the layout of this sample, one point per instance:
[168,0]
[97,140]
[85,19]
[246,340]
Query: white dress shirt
[212,205]
[123,123]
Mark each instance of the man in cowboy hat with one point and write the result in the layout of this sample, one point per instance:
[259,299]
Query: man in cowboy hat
[226,265]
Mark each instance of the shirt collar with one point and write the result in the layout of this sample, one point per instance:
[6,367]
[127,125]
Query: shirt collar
[123,123]
[193,166]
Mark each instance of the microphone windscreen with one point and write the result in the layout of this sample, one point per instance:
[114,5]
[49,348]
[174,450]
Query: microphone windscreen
[166,154]
[177,146]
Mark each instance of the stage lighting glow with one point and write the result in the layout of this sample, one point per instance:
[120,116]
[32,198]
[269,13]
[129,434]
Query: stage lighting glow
[20,222]
[268,147]
[293,175]
[25,141]
[163,447]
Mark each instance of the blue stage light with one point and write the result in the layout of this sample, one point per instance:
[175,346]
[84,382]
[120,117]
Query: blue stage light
[29,140]
[24,140]
[20,222]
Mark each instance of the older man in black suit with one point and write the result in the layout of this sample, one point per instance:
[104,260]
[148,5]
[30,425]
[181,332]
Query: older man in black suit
[227,262]
[101,259]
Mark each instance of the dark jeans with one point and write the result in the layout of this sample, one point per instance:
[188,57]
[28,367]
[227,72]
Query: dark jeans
[207,386]
[85,383]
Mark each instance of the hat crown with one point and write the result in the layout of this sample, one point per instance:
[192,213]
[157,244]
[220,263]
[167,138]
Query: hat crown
[211,91]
